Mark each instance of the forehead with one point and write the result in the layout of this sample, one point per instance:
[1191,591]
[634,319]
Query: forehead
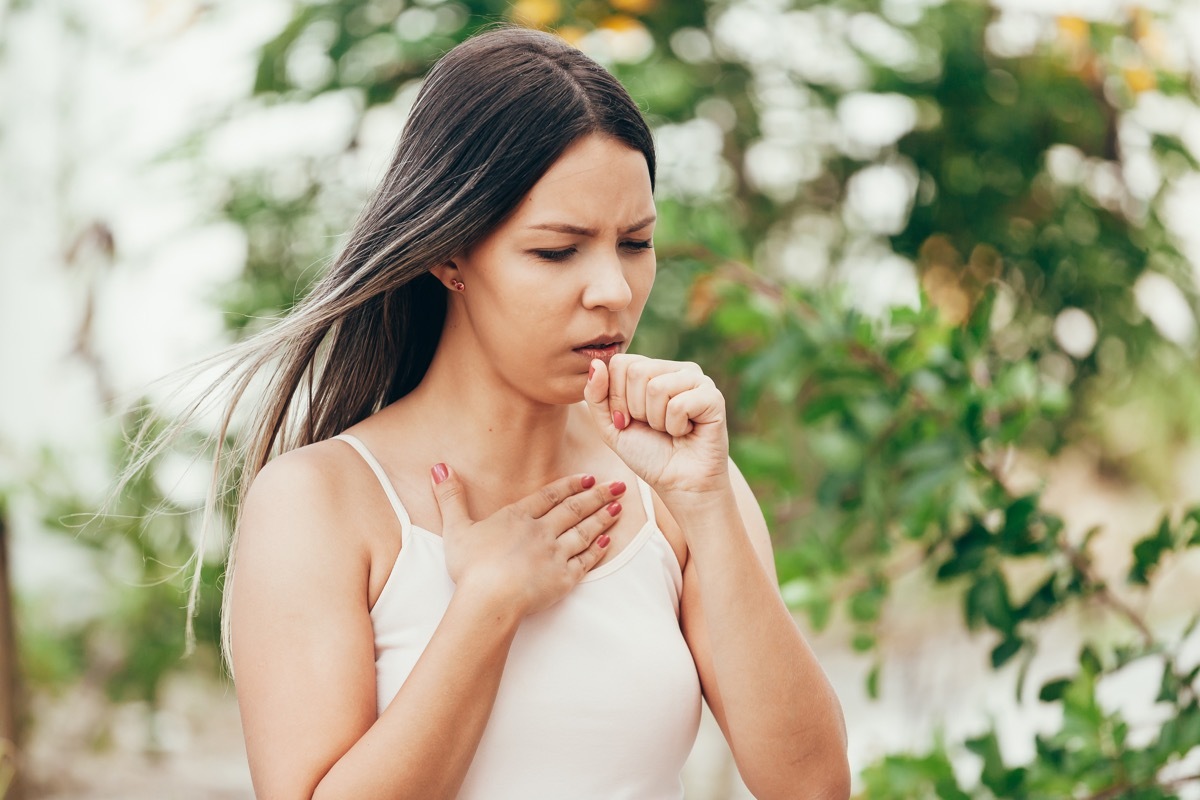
[598,181]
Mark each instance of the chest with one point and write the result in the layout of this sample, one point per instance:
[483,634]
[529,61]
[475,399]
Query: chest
[606,672]
[638,505]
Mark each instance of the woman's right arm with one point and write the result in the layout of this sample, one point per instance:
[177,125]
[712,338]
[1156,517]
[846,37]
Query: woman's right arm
[303,646]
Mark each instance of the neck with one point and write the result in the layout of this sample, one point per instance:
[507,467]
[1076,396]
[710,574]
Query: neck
[496,437]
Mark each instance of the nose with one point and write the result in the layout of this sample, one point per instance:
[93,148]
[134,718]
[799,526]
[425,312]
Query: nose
[607,286]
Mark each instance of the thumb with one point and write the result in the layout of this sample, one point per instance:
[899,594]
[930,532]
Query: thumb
[451,497]
[595,392]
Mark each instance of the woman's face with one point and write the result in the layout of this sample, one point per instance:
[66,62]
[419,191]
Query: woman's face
[565,278]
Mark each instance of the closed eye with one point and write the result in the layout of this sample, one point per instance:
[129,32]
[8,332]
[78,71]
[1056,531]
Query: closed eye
[633,245]
[554,255]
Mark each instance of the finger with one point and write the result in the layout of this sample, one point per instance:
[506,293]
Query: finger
[573,510]
[659,391]
[450,495]
[582,563]
[698,406]
[638,373]
[549,497]
[618,402]
[595,392]
[579,537]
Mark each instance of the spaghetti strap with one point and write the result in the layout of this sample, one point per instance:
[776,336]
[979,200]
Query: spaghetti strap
[389,490]
[647,501]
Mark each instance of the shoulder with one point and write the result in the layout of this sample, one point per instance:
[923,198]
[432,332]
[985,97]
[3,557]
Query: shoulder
[292,519]
[315,474]
[318,481]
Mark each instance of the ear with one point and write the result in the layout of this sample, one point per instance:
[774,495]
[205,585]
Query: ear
[447,274]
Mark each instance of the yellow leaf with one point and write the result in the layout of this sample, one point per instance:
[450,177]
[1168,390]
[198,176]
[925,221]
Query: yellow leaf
[536,13]
[985,263]
[638,7]
[1139,79]
[571,34]
[621,23]
[1143,22]
[703,300]
[942,277]
[1074,30]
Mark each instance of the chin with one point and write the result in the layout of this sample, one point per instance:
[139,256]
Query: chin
[565,391]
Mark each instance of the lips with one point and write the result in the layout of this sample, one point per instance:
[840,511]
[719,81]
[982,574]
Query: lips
[603,347]
[602,342]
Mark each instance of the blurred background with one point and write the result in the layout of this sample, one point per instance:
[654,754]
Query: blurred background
[942,256]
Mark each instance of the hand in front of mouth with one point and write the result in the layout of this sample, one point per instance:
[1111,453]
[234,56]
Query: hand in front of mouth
[665,419]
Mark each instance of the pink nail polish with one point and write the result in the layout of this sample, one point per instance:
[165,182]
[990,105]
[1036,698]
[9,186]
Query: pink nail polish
[588,481]
[440,473]
[603,540]
[616,487]
[614,509]
[618,420]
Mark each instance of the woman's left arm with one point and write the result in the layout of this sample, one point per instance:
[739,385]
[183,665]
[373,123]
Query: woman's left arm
[762,681]
[666,420]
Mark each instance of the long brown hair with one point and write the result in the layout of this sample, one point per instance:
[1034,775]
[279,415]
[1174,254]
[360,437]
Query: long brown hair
[493,115]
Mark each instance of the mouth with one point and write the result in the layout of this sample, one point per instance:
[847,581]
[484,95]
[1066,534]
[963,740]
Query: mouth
[602,348]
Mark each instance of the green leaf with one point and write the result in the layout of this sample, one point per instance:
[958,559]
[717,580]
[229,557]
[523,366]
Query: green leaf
[819,613]
[1043,602]
[1004,651]
[1052,691]
[821,407]
[987,601]
[1193,518]
[1090,662]
[865,605]
[1168,690]
[1149,551]
[1023,672]
[873,681]
[970,551]
[1016,537]
[1002,781]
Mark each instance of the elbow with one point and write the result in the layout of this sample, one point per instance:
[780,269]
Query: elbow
[836,785]
[816,776]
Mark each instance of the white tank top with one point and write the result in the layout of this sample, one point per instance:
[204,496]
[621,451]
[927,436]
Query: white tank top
[600,699]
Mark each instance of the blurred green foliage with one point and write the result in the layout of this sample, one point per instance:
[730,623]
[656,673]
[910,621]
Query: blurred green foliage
[880,440]
[145,545]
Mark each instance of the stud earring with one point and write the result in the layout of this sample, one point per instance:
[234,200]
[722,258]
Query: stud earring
[458,285]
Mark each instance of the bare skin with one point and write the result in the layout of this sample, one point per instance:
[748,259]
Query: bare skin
[509,405]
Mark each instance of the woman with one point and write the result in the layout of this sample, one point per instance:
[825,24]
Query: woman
[499,557]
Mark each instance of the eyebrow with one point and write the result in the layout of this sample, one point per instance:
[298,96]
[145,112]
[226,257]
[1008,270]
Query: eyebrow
[563,227]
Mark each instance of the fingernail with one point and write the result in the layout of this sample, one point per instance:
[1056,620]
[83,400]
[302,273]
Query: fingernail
[619,420]
[603,540]
[616,487]
[591,372]
[614,509]
[588,481]
[440,473]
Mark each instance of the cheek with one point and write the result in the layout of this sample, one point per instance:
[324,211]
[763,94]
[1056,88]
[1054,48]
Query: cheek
[641,281]
[528,307]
